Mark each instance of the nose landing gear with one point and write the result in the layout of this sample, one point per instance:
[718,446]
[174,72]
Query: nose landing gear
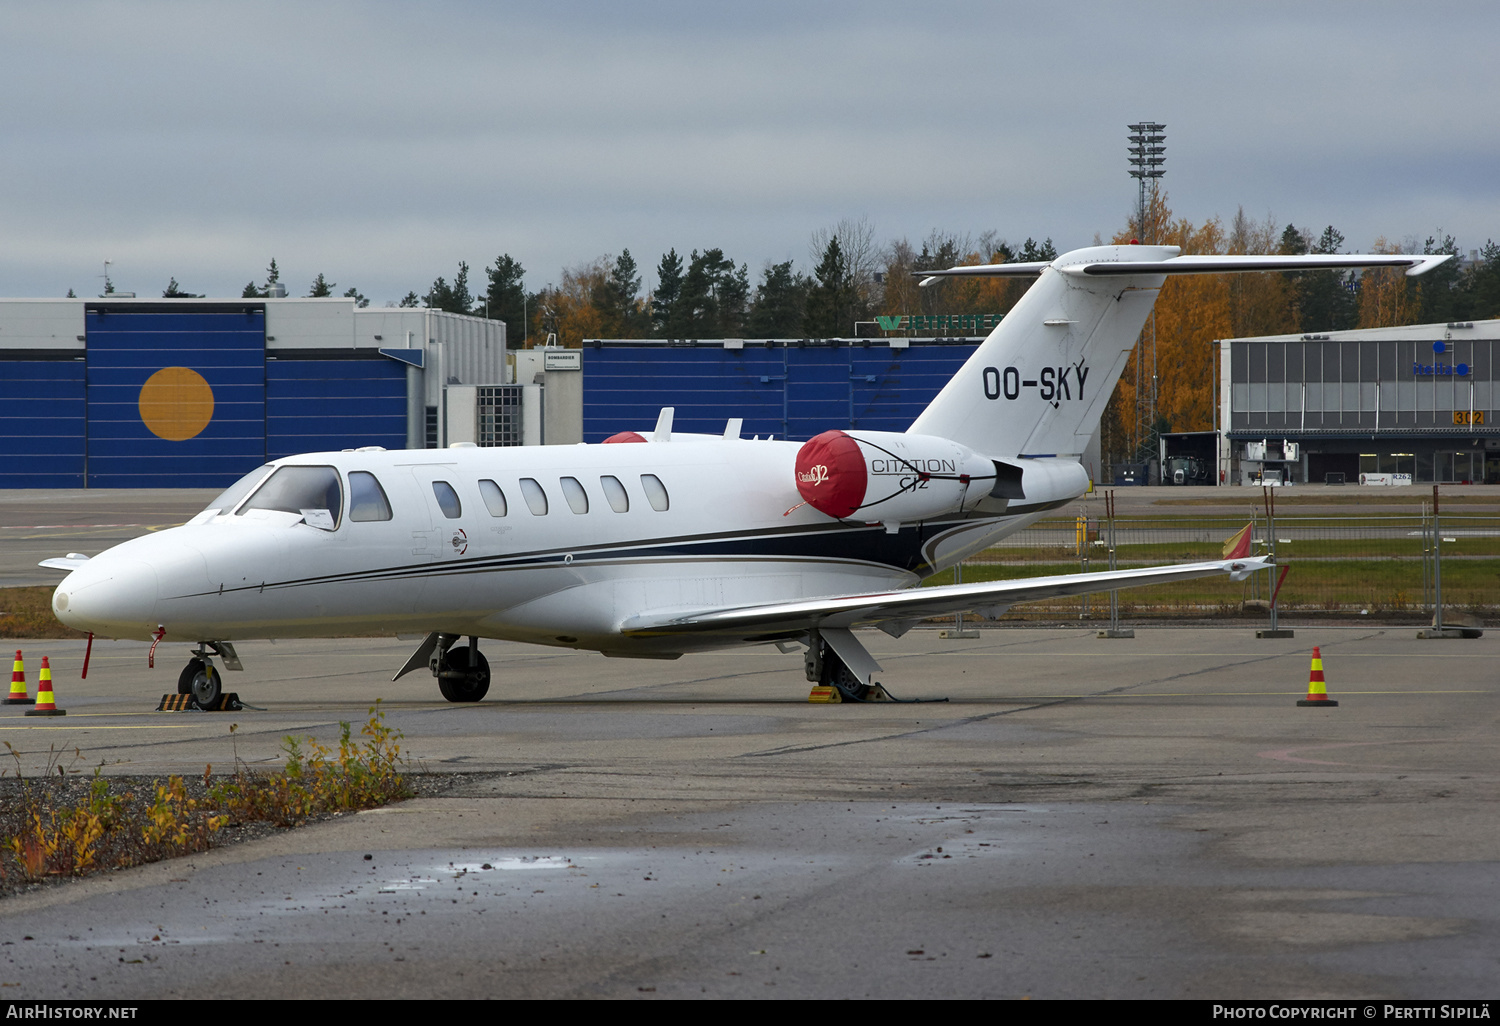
[200,679]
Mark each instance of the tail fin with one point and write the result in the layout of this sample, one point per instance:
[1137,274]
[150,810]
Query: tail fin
[1038,385]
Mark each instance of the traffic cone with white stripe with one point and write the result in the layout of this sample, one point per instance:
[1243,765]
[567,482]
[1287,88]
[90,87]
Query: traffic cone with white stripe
[46,704]
[1317,690]
[18,683]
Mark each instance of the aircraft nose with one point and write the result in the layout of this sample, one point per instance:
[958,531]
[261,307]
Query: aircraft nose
[116,597]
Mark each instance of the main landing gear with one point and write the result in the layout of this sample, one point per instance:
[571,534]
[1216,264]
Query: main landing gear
[824,666]
[463,673]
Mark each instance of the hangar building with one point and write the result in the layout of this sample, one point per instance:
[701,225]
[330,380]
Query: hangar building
[786,388]
[1412,404]
[120,392]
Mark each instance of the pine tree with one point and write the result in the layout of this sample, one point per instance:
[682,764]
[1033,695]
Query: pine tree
[621,309]
[321,287]
[668,289]
[830,302]
[174,291]
[508,299]
[359,300]
[780,301]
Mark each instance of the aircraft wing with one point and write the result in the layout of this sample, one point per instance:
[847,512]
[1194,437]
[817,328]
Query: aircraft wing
[896,611]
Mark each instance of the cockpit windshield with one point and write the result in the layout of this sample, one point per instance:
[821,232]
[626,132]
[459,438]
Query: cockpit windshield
[230,497]
[313,492]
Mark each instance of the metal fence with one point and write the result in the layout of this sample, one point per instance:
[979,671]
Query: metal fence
[1345,566]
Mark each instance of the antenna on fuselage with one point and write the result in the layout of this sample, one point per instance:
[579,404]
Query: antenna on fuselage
[663,431]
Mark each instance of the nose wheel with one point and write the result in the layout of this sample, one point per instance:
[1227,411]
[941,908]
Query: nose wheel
[199,679]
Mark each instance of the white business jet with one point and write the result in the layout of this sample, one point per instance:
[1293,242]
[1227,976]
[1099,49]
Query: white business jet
[653,550]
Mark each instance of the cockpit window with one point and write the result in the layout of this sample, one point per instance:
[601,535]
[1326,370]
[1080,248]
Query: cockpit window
[367,499]
[305,490]
[230,497]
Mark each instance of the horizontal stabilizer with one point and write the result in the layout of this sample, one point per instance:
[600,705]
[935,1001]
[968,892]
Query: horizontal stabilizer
[919,603]
[1414,263]
[72,561]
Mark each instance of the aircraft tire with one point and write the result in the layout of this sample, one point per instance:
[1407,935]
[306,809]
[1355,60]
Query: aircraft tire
[841,677]
[185,678]
[207,687]
[458,682]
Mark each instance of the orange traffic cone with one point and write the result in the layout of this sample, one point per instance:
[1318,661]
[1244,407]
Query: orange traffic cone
[46,705]
[18,683]
[1317,691]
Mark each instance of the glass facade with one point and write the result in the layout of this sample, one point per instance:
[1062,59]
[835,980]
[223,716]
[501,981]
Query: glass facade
[1347,386]
[1426,407]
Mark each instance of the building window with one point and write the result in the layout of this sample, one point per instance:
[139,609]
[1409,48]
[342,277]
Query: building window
[499,415]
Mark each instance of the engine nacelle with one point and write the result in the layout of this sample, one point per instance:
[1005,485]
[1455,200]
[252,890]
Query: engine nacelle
[890,477]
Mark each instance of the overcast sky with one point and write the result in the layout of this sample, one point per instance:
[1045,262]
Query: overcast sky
[382,143]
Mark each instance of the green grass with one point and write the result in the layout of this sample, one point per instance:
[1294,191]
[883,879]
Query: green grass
[1332,585]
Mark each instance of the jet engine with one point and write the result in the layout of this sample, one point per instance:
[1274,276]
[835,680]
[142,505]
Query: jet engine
[890,477]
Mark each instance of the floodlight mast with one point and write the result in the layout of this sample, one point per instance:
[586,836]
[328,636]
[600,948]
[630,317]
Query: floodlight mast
[1147,155]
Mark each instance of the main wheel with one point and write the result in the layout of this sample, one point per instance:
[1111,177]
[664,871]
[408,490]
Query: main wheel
[843,678]
[207,687]
[460,682]
[185,678]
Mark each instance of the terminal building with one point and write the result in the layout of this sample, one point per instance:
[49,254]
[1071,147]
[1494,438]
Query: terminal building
[1401,405]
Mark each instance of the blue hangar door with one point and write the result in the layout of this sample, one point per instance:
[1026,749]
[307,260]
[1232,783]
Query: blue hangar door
[176,394]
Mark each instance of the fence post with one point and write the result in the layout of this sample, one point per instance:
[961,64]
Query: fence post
[1114,630]
[1273,631]
[958,617]
[1437,630]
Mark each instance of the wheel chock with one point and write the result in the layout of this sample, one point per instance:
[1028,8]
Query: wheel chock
[228,702]
[825,693]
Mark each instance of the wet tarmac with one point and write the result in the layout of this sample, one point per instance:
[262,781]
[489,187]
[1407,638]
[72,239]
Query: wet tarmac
[1152,817]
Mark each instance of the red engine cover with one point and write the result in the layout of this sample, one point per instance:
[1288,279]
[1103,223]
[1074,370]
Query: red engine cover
[831,474]
[623,436]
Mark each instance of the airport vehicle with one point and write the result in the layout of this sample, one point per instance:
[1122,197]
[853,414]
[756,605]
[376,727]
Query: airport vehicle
[680,544]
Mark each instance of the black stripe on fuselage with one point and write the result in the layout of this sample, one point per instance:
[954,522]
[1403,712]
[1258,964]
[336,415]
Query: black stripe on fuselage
[836,543]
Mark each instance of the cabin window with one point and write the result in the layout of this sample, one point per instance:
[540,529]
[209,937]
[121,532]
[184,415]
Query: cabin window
[367,499]
[536,499]
[494,498]
[231,496]
[447,500]
[614,491]
[578,499]
[310,491]
[656,492]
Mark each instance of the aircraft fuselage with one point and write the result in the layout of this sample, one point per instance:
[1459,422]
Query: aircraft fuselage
[581,539]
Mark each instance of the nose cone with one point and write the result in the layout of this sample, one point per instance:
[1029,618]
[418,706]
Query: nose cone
[112,595]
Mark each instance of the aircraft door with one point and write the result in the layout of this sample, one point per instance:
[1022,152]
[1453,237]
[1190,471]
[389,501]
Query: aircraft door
[442,534]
